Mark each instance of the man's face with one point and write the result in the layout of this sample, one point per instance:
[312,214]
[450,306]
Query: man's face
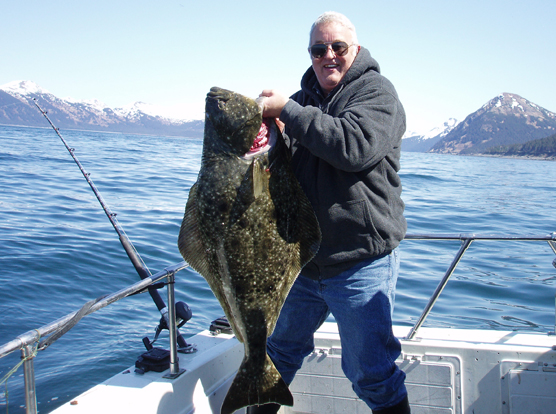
[331,69]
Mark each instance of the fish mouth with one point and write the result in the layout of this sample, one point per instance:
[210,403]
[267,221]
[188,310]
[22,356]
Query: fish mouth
[265,140]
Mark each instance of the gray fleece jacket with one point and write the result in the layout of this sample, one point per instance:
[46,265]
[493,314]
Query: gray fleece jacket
[346,155]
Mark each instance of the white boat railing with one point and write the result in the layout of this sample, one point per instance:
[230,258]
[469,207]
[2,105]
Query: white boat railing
[39,339]
[30,342]
[466,240]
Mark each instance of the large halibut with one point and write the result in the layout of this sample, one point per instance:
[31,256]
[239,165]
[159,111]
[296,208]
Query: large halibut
[248,229]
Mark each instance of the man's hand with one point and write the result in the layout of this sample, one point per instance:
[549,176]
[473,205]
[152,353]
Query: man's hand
[273,103]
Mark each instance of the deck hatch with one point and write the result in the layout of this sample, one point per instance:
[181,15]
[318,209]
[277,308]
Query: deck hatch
[433,383]
[529,391]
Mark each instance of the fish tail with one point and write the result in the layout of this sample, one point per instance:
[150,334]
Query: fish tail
[252,388]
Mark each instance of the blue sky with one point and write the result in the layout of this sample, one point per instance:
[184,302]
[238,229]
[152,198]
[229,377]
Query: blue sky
[446,58]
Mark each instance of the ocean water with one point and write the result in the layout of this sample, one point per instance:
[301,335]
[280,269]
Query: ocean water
[59,250]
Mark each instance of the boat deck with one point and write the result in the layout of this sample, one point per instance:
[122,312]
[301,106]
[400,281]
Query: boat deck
[448,371]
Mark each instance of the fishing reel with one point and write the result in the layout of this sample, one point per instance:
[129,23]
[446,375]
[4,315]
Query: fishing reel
[158,359]
[183,315]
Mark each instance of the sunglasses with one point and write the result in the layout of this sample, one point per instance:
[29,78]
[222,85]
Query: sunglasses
[319,50]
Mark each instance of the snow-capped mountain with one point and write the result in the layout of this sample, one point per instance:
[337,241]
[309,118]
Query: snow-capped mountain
[504,120]
[415,142]
[17,108]
[93,103]
[22,88]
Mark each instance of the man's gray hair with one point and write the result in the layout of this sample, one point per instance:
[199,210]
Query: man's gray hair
[333,17]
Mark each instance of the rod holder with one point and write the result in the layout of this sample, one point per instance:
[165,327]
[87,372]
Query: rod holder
[29,379]
[175,370]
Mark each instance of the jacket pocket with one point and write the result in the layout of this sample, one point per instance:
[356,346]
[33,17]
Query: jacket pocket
[348,232]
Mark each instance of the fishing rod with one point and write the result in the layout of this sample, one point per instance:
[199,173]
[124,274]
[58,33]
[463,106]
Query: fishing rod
[182,310]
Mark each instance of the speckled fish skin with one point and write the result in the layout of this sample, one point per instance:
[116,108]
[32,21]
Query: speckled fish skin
[248,229]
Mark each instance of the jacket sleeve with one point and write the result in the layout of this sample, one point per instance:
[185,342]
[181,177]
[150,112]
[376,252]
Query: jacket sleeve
[368,127]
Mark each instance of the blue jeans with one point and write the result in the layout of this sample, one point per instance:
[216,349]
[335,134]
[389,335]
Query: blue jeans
[362,301]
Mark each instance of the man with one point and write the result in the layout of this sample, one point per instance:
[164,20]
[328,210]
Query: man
[344,128]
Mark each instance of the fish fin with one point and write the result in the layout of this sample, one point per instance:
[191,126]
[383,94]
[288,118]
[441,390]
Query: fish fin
[192,248]
[309,227]
[190,243]
[253,185]
[251,388]
[257,181]
[295,218]
[259,177]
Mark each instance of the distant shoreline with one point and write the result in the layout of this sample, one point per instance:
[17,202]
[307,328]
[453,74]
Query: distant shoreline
[517,157]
